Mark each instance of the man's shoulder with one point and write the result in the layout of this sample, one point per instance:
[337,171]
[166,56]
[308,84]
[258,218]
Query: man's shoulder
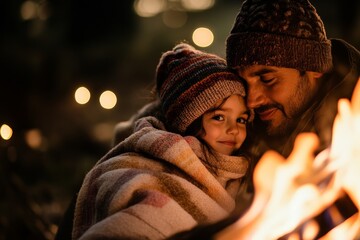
[346,65]
[342,47]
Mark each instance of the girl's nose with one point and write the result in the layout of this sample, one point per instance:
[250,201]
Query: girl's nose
[233,128]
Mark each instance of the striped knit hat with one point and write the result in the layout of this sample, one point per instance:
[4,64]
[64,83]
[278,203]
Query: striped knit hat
[189,82]
[282,33]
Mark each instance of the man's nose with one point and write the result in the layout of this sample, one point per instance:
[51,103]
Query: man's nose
[255,97]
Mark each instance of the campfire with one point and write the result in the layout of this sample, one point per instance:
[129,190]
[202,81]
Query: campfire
[290,193]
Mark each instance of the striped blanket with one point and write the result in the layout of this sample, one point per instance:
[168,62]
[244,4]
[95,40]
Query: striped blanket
[155,184]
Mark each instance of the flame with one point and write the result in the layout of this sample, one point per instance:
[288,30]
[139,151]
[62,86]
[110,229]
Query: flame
[290,193]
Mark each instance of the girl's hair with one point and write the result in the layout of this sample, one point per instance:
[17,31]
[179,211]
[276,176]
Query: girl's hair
[196,129]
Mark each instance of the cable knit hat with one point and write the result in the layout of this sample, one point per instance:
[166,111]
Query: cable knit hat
[282,33]
[189,82]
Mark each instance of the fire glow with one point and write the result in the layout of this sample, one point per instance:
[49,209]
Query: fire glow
[290,193]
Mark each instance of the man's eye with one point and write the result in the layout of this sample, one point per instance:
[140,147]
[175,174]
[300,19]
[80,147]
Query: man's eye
[267,79]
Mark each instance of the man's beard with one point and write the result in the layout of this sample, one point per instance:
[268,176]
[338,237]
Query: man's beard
[298,103]
[284,129]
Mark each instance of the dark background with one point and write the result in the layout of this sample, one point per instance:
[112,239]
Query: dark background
[101,45]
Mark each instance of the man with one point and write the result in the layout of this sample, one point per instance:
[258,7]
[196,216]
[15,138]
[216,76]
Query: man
[295,76]
[294,73]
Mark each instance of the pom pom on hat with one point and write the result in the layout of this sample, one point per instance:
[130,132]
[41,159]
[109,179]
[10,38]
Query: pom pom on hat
[189,82]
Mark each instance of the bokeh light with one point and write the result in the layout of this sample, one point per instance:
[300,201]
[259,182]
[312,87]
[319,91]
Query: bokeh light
[6,132]
[34,138]
[82,95]
[43,11]
[28,10]
[103,132]
[149,8]
[197,5]
[108,99]
[174,18]
[203,37]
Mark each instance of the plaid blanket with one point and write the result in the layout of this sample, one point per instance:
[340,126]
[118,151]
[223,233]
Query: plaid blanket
[155,184]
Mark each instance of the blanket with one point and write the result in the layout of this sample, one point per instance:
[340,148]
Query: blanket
[155,184]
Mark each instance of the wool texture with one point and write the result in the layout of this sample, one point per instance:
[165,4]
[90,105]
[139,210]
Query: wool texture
[155,184]
[282,33]
[189,82]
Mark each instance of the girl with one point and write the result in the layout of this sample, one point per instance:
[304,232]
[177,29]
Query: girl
[174,174]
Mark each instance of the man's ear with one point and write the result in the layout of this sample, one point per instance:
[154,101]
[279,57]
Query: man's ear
[314,76]
[318,74]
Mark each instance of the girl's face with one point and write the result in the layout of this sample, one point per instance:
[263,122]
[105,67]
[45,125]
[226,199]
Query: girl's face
[225,125]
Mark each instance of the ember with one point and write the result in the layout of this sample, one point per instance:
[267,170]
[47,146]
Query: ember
[290,193]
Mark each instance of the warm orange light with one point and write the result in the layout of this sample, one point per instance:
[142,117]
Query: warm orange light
[203,37]
[290,192]
[82,95]
[197,5]
[108,99]
[149,8]
[34,138]
[6,132]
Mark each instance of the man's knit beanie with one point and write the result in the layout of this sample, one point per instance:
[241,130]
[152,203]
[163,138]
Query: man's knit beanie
[189,82]
[281,33]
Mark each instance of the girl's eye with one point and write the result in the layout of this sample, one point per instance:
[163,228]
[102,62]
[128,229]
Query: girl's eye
[242,120]
[218,117]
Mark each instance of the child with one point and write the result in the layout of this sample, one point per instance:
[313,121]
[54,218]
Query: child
[172,175]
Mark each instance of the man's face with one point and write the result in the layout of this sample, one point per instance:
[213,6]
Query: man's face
[278,96]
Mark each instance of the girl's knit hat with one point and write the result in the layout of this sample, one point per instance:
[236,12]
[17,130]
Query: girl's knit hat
[282,33]
[189,82]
